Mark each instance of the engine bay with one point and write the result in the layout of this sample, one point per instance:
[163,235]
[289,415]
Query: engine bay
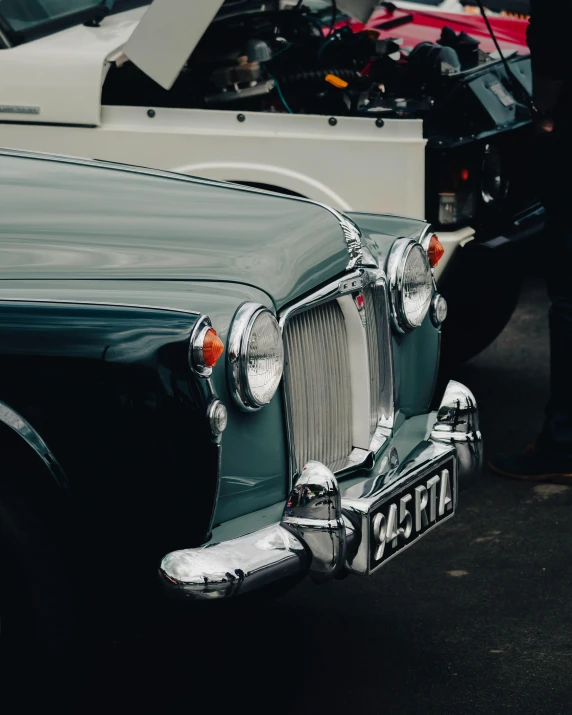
[288,61]
[303,62]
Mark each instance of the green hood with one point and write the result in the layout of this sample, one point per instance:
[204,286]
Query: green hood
[74,219]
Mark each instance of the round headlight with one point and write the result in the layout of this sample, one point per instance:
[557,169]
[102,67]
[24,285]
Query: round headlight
[255,356]
[493,185]
[411,284]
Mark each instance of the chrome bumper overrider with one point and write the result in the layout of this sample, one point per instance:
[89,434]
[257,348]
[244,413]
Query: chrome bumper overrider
[326,531]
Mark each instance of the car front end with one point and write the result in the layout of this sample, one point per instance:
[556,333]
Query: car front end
[235,383]
[370,468]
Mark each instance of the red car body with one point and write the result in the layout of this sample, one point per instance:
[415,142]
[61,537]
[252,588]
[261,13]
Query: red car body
[426,26]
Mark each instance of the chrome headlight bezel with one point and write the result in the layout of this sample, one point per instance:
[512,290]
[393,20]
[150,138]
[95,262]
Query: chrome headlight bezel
[196,360]
[396,266]
[237,356]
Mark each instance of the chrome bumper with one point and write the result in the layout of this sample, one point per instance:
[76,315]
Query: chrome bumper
[324,536]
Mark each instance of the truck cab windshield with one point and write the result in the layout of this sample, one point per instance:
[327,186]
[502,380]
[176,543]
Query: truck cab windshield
[25,20]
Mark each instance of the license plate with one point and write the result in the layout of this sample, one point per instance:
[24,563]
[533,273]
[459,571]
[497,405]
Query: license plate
[412,512]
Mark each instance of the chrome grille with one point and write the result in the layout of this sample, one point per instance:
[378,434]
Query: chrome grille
[339,416]
[318,380]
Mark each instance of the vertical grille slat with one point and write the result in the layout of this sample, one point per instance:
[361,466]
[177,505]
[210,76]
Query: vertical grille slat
[373,355]
[318,380]
[378,345]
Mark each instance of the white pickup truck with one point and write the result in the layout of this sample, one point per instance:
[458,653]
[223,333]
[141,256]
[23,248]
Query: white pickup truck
[364,112]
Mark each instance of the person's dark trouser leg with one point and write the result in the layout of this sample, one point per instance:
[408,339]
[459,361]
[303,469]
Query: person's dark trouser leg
[552,458]
[557,248]
[557,433]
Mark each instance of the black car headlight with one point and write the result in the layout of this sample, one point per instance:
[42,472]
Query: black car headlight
[255,356]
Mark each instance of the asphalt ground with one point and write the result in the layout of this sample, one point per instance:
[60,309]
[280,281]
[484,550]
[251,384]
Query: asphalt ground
[474,619]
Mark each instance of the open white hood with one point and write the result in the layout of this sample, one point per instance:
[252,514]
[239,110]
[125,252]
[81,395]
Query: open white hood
[170,30]
[167,34]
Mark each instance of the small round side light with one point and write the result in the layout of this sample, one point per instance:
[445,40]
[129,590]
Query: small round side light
[218,417]
[438,310]
[435,251]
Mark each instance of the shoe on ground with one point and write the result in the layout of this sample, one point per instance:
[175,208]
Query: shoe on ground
[533,465]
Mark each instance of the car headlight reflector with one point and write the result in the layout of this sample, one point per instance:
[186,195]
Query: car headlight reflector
[411,284]
[255,356]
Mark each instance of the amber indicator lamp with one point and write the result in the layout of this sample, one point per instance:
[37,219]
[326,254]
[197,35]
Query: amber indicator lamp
[435,251]
[213,348]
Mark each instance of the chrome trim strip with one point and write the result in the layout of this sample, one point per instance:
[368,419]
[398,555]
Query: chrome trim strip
[349,284]
[5,40]
[357,373]
[382,334]
[290,451]
[24,429]
[425,236]
[394,265]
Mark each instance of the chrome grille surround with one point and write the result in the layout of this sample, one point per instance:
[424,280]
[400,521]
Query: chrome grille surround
[380,359]
[350,378]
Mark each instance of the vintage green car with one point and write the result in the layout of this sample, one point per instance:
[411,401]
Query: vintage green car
[211,388]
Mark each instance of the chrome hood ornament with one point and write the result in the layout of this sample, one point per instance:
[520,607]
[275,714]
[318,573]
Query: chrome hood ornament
[352,235]
[353,238]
